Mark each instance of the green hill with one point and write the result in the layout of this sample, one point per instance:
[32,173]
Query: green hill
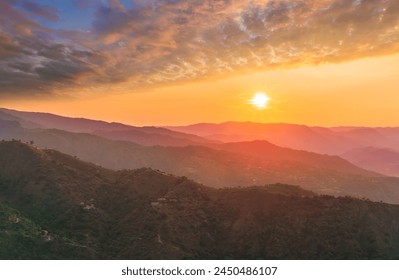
[54,206]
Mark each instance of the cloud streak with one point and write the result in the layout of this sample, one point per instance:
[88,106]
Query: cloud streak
[46,12]
[155,42]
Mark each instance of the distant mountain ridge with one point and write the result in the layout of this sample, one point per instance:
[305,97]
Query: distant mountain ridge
[47,120]
[333,141]
[383,160]
[147,136]
[218,168]
[269,151]
[54,206]
[213,164]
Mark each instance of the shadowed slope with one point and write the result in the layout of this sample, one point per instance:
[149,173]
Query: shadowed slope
[60,207]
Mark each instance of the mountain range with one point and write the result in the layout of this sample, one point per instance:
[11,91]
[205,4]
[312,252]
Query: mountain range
[381,160]
[54,206]
[324,140]
[214,164]
[73,188]
[346,142]
[147,136]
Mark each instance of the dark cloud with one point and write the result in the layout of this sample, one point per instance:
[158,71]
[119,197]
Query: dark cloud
[158,42]
[84,4]
[38,67]
[42,70]
[110,20]
[46,12]
[60,71]
[8,47]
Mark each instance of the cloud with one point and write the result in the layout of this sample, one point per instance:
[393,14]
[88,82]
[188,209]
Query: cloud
[163,42]
[35,67]
[46,12]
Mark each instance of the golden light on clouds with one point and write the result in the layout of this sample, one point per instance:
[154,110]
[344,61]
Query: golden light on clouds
[326,95]
[175,62]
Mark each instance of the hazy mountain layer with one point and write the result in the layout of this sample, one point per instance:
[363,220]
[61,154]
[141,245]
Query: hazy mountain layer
[342,141]
[382,160]
[216,167]
[323,140]
[147,136]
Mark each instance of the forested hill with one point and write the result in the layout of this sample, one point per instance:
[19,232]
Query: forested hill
[53,206]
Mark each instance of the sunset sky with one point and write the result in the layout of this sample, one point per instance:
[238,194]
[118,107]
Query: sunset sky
[153,62]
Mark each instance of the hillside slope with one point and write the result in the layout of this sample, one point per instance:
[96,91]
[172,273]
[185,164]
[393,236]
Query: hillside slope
[57,207]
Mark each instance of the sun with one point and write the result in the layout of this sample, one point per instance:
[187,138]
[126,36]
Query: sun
[260,100]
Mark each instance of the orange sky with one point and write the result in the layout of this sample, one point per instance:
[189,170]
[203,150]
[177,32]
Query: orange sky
[328,63]
[362,92]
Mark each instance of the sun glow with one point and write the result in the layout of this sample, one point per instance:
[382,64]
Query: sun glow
[260,100]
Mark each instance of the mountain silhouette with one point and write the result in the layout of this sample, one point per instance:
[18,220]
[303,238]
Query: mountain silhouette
[332,141]
[147,136]
[217,167]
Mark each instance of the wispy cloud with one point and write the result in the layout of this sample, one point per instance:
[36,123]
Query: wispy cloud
[161,42]
[46,12]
